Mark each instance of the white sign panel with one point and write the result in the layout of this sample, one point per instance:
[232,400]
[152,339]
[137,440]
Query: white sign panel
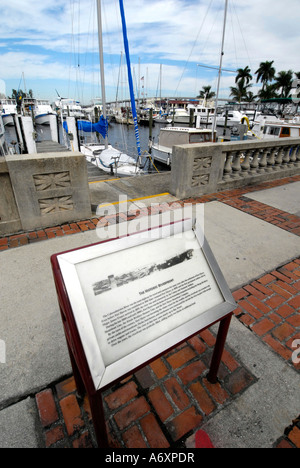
[135,297]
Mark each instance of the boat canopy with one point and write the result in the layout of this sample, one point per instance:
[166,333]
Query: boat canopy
[100,127]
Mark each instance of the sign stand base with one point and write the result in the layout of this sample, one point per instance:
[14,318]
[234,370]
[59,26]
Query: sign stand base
[95,397]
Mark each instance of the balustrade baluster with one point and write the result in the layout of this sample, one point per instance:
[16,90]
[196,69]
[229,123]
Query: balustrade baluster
[254,162]
[263,159]
[236,164]
[278,159]
[298,156]
[286,155]
[293,156]
[271,159]
[227,166]
[246,163]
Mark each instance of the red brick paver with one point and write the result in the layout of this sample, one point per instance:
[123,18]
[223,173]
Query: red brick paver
[157,408]
[270,307]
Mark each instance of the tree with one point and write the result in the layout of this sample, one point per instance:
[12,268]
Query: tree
[265,73]
[268,92]
[284,81]
[243,75]
[206,93]
[240,91]
[250,97]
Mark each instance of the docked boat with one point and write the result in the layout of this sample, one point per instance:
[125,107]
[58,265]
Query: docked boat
[273,129]
[3,146]
[203,114]
[104,156]
[111,160]
[124,118]
[8,108]
[230,119]
[173,136]
[180,116]
[69,107]
[42,112]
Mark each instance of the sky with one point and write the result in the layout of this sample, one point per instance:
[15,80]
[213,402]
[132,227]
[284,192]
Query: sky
[51,46]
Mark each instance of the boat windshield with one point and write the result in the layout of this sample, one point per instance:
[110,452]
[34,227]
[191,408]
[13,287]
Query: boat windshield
[200,137]
[269,130]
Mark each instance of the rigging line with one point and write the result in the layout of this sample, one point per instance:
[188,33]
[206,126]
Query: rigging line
[194,45]
[233,34]
[110,49]
[210,31]
[72,10]
[234,8]
[90,34]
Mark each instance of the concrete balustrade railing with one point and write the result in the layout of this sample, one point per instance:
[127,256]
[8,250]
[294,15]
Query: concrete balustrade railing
[42,190]
[210,167]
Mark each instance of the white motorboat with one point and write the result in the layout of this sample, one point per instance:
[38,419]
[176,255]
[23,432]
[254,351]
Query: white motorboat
[8,108]
[111,160]
[172,136]
[69,107]
[203,114]
[180,116]
[230,118]
[42,111]
[272,129]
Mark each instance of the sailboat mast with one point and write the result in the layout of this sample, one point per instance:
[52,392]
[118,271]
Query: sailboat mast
[130,81]
[100,38]
[220,68]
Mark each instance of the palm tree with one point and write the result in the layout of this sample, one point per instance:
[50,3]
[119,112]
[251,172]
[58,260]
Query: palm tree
[265,73]
[240,91]
[250,97]
[243,75]
[284,81]
[206,93]
[268,92]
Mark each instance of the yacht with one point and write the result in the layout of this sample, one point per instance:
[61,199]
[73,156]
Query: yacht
[8,108]
[274,129]
[42,111]
[172,136]
[231,118]
[203,114]
[69,107]
[180,116]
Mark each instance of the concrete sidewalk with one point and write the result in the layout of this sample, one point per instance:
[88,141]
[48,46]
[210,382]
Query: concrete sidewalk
[246,248]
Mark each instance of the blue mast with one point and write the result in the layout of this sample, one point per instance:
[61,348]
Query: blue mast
[133,106]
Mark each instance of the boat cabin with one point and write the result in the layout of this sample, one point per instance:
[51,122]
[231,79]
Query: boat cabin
[174,136]
[274,130]
[183,136]
[8,106]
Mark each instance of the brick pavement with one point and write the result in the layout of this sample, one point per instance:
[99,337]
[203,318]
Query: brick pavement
[164,403]
[157,407]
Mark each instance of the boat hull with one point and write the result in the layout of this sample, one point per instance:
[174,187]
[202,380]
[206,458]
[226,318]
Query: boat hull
[161,155]
[43,119]
[8,120]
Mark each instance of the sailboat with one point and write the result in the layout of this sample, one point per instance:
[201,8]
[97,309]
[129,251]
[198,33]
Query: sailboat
[105,156]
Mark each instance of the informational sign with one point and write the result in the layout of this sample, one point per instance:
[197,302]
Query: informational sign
[137,296]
